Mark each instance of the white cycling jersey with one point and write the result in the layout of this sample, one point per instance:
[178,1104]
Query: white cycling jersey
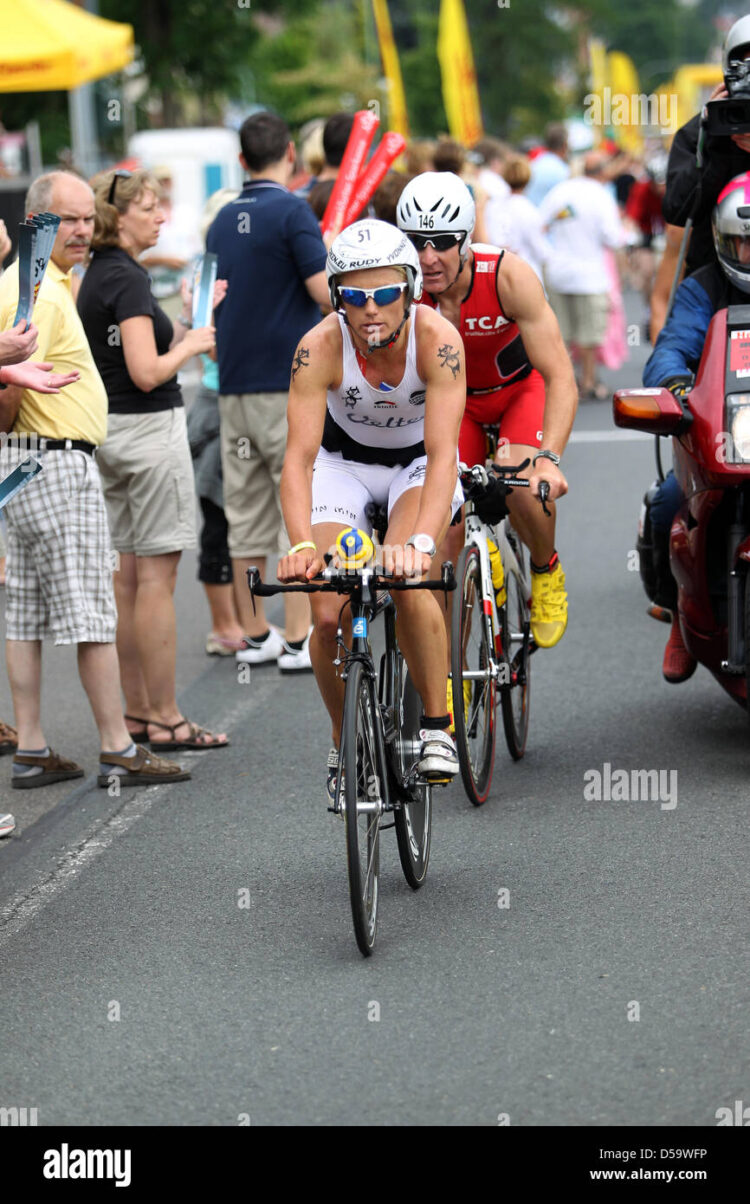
[374,416]
[373,442]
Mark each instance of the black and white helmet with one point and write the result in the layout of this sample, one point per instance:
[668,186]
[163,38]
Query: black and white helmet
[736,69]
[372,244]
[438,202]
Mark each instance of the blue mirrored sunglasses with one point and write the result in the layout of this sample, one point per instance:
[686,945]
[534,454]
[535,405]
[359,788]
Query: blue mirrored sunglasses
[385,295]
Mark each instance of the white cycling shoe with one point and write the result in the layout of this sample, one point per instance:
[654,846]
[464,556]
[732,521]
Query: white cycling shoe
[438,759]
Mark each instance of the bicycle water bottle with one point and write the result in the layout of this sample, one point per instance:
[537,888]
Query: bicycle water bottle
[498,573]
[355,548]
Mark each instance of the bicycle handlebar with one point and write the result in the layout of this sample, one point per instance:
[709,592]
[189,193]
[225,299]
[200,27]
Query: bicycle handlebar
[334,581]
[478,479]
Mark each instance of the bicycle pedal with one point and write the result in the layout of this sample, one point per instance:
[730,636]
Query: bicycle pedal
[430,780]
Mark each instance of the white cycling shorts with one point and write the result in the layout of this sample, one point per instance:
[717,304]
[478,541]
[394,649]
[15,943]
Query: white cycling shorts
[342,489]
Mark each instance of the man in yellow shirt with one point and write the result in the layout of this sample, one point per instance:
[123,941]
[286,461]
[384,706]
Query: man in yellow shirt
[59,560]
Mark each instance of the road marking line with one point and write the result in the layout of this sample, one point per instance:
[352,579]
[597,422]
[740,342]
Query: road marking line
[612,436]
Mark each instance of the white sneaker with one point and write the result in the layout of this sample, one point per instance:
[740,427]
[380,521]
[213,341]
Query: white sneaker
[296,660]
[7,824]
[438,760]
[261,652]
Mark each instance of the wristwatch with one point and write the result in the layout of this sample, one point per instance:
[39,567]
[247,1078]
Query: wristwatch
[423,543]
[548,455]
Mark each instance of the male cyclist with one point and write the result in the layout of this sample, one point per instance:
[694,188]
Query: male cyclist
[514,352]
[375,403]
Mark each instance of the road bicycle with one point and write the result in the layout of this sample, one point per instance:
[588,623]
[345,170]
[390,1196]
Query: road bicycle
[380,745]
[491,641]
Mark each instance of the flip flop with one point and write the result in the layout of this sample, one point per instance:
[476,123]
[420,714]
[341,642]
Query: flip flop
[195,740]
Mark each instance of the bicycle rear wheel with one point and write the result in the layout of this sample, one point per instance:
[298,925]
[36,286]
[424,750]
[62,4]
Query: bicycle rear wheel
[363,802]
[514,694]
[473,681]
[413,820]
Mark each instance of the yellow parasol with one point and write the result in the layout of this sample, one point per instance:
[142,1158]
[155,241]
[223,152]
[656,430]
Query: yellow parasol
[50,45]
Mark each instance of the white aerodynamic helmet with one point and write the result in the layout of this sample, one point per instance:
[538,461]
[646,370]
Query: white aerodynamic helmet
[736,71]
[373,244]
[438,203]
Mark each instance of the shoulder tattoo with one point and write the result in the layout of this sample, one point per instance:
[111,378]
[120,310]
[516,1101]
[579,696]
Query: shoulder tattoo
[449,358]
[301,360]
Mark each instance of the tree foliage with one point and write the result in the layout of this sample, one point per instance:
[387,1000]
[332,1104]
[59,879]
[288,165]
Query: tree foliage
[311,57]
[316,65]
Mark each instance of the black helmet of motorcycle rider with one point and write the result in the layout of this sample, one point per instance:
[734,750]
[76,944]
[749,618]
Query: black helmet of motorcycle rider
[730,223]
[735,60]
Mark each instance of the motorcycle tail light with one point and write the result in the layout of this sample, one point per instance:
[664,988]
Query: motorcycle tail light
[738,426]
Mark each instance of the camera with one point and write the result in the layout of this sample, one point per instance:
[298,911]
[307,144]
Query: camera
[730,116]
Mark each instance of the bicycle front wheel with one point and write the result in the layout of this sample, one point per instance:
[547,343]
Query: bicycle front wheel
[363,795]
[413,819]
[473,680]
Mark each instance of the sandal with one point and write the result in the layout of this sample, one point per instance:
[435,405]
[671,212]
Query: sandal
[217,645]
[138,737]
[144,769]
[8,739]
[54,769]
[200,738]
[600,392]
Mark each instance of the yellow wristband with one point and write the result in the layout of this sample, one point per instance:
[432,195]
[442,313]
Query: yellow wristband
[306,543]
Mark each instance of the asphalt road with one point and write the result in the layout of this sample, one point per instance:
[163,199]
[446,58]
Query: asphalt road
[612,989]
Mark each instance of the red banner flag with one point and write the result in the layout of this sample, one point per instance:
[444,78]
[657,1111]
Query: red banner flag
[389,150]
[363,132]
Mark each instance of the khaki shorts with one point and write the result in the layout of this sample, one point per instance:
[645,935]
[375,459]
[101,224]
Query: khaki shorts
[59,570]
[253,443]
[582,317]
[147,477]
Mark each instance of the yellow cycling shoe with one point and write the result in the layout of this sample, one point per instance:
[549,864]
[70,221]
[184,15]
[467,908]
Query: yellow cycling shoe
[549,604]
[467,701]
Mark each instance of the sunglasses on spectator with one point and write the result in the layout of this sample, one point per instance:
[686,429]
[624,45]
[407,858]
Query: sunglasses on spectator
[439,242]
[120,174]
[385,295]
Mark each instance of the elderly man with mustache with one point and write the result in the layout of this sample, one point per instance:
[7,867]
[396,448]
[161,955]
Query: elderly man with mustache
[59,561]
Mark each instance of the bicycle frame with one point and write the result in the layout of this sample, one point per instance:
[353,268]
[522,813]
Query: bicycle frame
[363,611]
[477,534]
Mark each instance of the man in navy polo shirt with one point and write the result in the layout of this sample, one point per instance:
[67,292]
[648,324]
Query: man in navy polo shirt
[272,255]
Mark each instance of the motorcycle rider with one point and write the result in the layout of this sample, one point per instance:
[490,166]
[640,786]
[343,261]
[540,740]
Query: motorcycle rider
[675,358]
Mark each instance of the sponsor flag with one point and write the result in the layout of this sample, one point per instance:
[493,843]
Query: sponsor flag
[626,117]
[391,146]
[460,93]
[398,118]
[599,75]
[363,132]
